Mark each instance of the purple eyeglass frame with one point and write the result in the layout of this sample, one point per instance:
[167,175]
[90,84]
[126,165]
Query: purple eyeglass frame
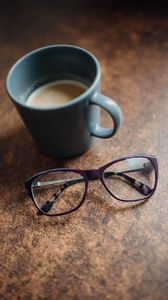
[91,174]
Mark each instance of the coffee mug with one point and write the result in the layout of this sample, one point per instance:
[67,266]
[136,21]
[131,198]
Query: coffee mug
[69,129]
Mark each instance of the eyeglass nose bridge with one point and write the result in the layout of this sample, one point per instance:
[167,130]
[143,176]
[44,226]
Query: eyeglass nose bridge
[93,174]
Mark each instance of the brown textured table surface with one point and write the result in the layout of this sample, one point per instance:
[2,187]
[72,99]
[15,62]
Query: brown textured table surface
[105,250]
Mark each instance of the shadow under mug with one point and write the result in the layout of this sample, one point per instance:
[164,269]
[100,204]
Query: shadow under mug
[70,129]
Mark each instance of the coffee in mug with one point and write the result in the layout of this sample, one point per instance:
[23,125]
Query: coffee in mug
[55,93]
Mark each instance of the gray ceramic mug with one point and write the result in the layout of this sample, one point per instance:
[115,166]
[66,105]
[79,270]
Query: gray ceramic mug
[70,129]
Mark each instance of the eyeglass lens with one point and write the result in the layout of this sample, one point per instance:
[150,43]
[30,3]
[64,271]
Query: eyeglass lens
[130,179]
[58,192]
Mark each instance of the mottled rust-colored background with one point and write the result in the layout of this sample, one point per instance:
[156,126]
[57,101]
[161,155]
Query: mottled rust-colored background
[107,249]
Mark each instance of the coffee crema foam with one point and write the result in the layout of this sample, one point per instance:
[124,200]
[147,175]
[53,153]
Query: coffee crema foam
[55,93]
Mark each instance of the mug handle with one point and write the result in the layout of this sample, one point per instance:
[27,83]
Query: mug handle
[114,111]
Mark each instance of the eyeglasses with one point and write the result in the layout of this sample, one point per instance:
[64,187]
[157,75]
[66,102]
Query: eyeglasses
[58,192]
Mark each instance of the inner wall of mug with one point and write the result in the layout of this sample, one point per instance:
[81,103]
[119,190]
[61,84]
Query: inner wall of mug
[49,64]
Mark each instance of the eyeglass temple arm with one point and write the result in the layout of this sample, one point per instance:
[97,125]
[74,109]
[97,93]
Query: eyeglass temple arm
[144,189]
[138,185]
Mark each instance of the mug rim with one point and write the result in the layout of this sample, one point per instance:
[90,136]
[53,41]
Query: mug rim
[67,104]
